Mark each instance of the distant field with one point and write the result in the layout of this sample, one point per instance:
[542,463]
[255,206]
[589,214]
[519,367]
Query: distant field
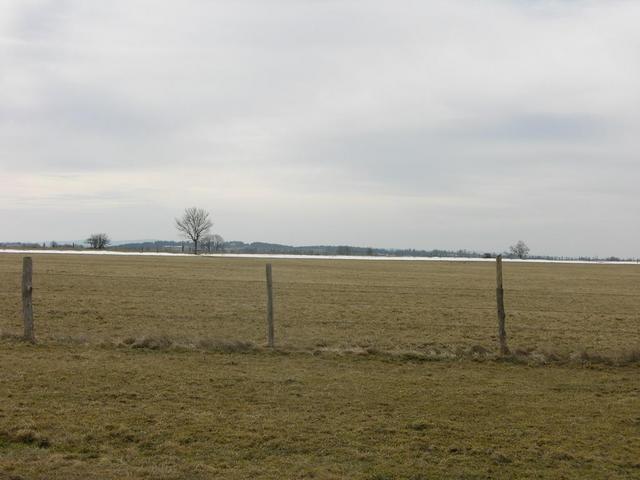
[339,400]
[331,304]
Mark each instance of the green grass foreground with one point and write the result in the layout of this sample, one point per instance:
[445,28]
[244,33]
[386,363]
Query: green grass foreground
[71,412]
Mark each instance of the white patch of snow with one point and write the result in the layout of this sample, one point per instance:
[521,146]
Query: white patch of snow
[309,257]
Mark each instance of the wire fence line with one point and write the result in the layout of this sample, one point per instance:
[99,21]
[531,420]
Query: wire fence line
[472,327]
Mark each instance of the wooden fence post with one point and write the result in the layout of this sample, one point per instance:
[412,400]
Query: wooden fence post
[270,339]
[502,333]
[27,303]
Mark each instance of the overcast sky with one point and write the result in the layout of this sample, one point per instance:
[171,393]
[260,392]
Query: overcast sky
[425,124]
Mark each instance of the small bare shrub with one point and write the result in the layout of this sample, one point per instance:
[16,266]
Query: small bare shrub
[26,436]
[584,356]
[478,350]
[226,346]
[630,356]
[153,343]
[10,336]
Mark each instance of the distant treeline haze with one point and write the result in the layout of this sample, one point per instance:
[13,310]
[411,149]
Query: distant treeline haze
[274,248]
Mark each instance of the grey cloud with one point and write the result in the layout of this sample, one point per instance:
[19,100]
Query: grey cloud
[540,127]
[39,19]
[334,115]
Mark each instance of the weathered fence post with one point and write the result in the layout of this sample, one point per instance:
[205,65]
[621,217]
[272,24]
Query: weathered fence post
[270,339]
[27,304]
[502,333]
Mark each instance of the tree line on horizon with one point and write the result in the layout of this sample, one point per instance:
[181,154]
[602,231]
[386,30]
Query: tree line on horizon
[195,226]
[237,246]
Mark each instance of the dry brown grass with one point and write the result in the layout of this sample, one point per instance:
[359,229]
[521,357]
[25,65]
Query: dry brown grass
[76,412]
[157,368]
[562,310]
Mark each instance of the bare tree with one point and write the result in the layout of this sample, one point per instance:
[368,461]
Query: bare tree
[194,224]
[520,249]
[98,241]
[212,242]
[217,243]
[206,241]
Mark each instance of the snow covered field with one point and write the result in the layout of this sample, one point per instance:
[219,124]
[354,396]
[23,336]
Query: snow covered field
[309,257]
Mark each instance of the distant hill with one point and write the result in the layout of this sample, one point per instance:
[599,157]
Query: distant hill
[237,246]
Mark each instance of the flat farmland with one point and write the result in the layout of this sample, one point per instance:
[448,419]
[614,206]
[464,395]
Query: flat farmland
[386,305]
[338,398]
[77,412]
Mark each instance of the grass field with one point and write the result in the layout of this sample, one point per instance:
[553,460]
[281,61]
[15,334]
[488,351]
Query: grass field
[332,304]
[348,394]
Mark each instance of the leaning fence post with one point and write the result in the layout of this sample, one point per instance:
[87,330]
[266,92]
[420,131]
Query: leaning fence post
[27,303]
[502,333]
[270,339]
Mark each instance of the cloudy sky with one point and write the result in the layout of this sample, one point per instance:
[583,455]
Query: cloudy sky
[426,124]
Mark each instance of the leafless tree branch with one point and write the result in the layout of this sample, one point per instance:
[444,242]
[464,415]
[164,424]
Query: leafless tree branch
[193,224]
